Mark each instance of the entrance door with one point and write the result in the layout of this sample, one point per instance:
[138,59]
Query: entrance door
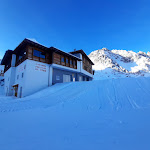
[66,78]
[16,90]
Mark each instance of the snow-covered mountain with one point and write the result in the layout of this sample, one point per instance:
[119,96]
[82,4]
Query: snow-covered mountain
[120,63]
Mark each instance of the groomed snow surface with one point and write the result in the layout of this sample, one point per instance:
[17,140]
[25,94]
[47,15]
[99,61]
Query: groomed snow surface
[98,115]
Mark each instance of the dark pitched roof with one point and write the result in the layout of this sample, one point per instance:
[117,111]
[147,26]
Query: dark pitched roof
[7,57]
[83,53]
[31,43]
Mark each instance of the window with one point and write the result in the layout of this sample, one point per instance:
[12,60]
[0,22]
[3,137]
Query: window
[39,54]
[70,62]
[24,66]
[17,77]
[62,59]
[74,63]
[57,77]
[36,53]
[20,57]
[67,61]
[42,55]
[22,75]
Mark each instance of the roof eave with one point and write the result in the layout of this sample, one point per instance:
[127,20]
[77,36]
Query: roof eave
[29,42]
[83,53]
[68,54]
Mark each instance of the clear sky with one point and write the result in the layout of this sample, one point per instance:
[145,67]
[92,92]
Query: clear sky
[80,24]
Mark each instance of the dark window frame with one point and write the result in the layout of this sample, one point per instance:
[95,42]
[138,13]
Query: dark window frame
[62,59]
[71,62]
[39,54]
[42,55]
[67,61]
[36,53]
[74,63]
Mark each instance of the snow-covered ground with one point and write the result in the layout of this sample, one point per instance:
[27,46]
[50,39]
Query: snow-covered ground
[107,114]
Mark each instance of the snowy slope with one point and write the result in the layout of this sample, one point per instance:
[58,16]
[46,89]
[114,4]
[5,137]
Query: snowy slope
[106,114]
[120,63]
[109,94]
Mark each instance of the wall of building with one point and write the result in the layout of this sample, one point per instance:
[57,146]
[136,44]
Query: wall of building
[2,70]
[21,77]
[9,78]
[80,67]
[31,56]
[86,73]
[79,63]
[57,59]
[36,77]
[86,64]
[1,81]
[58,75]
[32,76]
[83,77]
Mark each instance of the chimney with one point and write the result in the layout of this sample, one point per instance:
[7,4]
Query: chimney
[13,60]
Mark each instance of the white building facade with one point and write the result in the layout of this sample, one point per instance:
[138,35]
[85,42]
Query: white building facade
[25,76]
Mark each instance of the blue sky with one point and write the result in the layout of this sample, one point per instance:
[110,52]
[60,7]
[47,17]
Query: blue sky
[80,24]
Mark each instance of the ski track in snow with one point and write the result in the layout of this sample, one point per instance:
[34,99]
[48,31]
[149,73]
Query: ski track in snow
[113,93]
[106,114]
[116,103]
[147,91]
[45,100]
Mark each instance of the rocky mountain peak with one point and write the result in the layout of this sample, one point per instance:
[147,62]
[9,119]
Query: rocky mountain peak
[121,62]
